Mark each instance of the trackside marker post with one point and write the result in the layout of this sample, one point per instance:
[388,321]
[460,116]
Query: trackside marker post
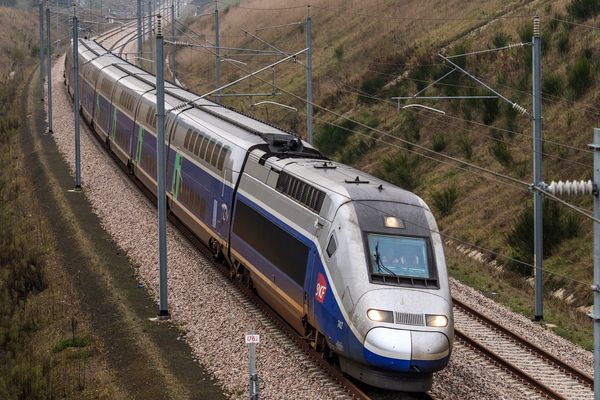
[252,339]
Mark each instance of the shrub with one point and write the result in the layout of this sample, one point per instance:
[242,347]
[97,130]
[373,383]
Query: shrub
[339,53]
[554,22]
[329,138]
[525,32]
[501,39]
[501,153]
[443,200]
[356,149]
[75,341]
[562,42]
[420,76]
[412,128]
[400,170]
[557,227]
[579,76]
[583,9]
[553,85]
[511,118]
[439,142]
[465,143]
[371,85]
[490,110]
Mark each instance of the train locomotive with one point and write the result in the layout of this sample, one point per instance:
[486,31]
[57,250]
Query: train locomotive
[354,263]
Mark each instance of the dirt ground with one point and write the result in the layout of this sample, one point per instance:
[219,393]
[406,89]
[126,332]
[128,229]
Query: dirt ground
[93,292]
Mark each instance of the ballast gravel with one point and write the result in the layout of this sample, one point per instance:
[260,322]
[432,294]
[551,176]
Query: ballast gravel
[214,316]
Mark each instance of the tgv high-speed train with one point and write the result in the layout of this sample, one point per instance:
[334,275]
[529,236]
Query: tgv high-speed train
[350,261]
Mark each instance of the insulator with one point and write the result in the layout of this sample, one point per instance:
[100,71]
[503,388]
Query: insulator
[536,26]
[519,108]
[159,25]
[570,188]
[510,46]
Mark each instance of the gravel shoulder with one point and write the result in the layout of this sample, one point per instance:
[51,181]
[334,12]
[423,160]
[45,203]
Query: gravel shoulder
[147,358]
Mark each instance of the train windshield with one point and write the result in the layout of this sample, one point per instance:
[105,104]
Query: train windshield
[399,256]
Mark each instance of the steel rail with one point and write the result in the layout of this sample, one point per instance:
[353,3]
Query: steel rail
[541,353]
[513,369]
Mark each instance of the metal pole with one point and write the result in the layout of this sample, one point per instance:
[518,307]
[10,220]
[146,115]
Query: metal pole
[56,32]
[217,55]
[252,370]
[49,67]
[173,39]
[161,168]
[596,287]
[537,171]
[309,88]
[42,70]
[76,96]
[150,32]
[139,31]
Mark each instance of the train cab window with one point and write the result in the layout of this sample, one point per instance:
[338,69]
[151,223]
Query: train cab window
[400,256]
[331,247]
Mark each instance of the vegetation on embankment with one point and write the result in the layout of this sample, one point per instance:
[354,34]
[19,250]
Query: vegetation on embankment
[365,53]
[46,347]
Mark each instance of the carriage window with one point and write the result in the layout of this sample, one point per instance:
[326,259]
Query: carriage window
[198,142]
[188,136]
[399,256]
[331,247]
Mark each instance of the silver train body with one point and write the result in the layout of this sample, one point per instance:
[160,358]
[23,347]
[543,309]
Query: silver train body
[353,262]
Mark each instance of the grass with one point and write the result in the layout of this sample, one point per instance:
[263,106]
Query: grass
[75,341]
[36,300]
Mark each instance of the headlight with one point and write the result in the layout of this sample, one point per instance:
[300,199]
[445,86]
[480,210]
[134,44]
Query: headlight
[380,316]
[438,321]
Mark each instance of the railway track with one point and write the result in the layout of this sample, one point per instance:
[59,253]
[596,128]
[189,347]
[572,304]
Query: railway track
[549,376]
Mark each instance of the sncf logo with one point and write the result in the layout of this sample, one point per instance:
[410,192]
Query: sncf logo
[321,288]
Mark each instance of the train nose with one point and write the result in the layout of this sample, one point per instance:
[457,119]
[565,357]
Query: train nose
[405,350]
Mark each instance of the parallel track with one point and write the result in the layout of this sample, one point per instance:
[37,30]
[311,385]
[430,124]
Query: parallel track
[550,376]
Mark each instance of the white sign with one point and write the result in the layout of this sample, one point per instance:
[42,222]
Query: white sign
[252,339]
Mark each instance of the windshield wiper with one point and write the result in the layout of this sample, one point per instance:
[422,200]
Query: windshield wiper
[380,264]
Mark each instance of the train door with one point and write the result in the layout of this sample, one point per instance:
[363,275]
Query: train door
[312,287]
[138,148]
[176,181]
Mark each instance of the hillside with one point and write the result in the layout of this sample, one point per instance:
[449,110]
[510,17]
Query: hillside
[367,52]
